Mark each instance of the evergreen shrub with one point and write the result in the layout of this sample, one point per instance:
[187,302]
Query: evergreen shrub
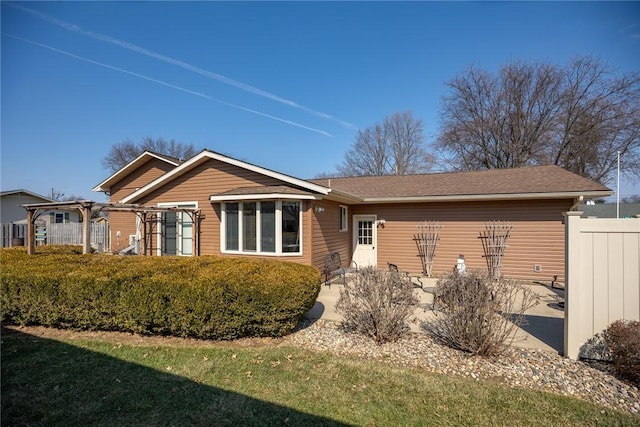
[203,297]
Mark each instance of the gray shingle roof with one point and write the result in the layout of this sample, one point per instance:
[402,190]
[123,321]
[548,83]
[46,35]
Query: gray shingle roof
[609,210]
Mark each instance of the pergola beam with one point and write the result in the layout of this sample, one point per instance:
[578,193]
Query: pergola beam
[86,207]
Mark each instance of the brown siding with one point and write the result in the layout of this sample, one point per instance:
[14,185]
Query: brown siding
[125,222]
[138,178]
[213,177]
[327,237]
[537,236]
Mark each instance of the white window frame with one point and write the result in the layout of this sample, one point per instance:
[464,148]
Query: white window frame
[179,242]
[343,221]
[278,219]
[64,217]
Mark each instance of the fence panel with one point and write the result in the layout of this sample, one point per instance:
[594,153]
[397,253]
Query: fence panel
[602,276]
[71,234]
[10,231]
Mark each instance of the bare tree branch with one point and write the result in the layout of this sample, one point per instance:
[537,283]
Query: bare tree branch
[60,196]
[393,147]
[577,117]
[125,151]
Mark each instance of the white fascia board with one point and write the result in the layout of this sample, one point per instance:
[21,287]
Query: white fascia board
[240,197]
[206,155]
[342,197]
[277,175]
[27,192]
[483,197]
[99,188]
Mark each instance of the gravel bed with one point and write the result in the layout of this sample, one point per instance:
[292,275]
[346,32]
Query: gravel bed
[535,369]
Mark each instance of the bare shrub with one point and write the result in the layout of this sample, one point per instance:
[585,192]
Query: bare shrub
[378,304]
[623,341]
[480,315]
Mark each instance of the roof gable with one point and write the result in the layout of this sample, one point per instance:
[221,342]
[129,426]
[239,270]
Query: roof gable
[206,155]
[105,185]
[25,192]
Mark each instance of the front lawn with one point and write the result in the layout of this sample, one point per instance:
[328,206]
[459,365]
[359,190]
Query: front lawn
[51,382]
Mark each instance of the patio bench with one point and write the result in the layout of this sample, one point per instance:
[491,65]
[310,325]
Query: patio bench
[333,267]
[405,275]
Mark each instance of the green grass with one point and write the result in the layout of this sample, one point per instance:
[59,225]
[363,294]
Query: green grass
[50,382]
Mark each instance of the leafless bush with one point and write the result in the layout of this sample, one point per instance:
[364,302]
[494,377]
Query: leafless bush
[378,304]
[480,315]
[623,341]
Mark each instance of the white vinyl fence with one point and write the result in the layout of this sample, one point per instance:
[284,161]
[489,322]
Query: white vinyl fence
[71,234]
[602,278]
[13,234]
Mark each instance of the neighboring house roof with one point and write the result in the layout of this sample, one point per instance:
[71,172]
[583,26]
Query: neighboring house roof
[206,155]
[609,210]
[517,183]
[105,185]
[27,193]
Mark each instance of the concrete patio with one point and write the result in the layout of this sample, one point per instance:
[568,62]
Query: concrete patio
[543,328]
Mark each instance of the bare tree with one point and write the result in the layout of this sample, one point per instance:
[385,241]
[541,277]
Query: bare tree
[125,151]
[393,147]
[631,199]
[577,117]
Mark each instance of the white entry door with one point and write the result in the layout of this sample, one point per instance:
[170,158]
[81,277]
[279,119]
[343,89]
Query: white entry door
[364,240]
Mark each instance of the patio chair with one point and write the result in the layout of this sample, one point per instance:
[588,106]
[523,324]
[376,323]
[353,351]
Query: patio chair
[405,275]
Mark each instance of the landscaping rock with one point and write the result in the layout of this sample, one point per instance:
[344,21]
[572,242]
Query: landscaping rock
[516,367]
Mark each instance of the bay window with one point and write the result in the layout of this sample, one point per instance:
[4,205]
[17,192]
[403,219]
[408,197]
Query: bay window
[270,227]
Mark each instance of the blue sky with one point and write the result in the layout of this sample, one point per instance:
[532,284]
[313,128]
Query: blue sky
[281,85]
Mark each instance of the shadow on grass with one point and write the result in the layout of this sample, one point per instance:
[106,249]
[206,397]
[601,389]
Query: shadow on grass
[48,382]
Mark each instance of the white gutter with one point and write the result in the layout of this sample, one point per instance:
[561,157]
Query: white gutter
[239,197]
[475,197]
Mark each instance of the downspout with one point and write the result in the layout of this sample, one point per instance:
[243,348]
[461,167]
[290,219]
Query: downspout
[576,203]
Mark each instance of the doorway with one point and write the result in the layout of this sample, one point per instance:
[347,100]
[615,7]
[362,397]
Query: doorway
[365,240]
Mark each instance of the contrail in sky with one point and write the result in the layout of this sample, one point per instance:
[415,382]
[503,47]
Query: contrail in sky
[200,94]
[177,62]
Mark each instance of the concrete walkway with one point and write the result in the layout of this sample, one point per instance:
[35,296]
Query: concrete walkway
[543,329]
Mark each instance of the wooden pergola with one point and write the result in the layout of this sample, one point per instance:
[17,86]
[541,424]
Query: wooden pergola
[148,216]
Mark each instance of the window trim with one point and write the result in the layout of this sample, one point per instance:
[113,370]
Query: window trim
[160,229]
[278,225]
[343,218]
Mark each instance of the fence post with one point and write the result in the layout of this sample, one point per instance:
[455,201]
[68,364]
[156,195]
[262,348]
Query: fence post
[31,233]
[572,250]
[86,228]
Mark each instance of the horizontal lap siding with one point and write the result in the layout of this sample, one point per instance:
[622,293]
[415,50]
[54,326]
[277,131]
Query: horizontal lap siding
[213,177]
[537,236]
[125,222]
[326,236]
[138,178]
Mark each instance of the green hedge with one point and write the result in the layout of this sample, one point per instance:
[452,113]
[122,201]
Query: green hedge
[202,297]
